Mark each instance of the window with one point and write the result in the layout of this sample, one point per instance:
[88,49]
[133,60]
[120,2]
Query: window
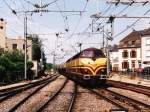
[147,53]
[125,65]
[1,27]
[133,64]
[1,19]
[148,41]
[133,54]
[14,46]
[139,62]
[88,54]
[133,42]
[125,54]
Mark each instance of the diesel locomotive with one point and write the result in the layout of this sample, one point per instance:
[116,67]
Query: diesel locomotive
[89,65]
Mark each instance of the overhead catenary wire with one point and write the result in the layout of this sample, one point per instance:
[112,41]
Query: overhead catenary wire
[104,12]
[43,6]
[15,14]
[78,22]
[64,17]
[131,24]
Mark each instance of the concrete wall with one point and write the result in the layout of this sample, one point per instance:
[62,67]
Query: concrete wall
[20,44]
[2,33]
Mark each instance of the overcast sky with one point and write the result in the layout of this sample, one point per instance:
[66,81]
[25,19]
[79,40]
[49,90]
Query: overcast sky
[78,24]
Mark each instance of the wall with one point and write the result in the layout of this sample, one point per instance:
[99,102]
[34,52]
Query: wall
[145,51]
[20,43]
[2,33]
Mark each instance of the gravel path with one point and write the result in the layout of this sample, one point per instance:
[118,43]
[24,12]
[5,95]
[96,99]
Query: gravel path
[60,103]
[131,94]
[38,99]
[88,102]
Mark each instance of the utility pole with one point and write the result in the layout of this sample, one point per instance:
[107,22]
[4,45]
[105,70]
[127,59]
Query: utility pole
[107,54]
[80,45]
[25,45]
[103,36]
[111,21]
[54,61]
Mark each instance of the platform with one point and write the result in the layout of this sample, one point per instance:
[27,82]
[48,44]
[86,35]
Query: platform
[130,79]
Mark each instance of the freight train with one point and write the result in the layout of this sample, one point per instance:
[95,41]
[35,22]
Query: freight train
[89,65]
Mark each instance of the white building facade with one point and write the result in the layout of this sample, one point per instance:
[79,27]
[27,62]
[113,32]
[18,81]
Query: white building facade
[129,52]
[145,46]
[129,58]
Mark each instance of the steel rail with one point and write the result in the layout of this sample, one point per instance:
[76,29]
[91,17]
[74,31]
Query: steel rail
[51,97]
[18,86]
[130,99]
[109,100]
[72,101]
[12,93]
[31,94]
[133,87]
[122,101]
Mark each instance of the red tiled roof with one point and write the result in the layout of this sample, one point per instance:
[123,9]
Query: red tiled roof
[135,35]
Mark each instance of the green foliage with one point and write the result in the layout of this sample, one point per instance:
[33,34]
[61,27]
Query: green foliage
[36,47]
[30,64]
[10,62]
[49,66]
[2,69]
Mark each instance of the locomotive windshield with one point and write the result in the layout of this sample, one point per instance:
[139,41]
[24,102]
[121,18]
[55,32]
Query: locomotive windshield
[92,54]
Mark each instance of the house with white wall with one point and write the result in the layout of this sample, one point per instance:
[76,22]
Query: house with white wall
[114,58]
[130,52]
[145,47]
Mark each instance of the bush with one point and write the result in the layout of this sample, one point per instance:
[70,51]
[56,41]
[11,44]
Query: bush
[30,64]
[2,72]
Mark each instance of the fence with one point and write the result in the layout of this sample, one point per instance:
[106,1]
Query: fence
[143,75]
[11,77]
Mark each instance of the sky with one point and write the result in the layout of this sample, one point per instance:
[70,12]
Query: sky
[73,27]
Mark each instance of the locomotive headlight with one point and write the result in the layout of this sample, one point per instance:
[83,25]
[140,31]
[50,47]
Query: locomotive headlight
[102,70]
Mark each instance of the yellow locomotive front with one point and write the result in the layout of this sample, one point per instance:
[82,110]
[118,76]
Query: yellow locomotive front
[92,63]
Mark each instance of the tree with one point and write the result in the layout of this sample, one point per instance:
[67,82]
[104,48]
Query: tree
[2,72]
[29,71]
[36,47]
[11,62]
[49,66]
[37,50]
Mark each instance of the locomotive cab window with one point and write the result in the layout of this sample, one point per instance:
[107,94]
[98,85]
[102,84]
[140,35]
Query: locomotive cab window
[87,54]
[92,53]
[99,54]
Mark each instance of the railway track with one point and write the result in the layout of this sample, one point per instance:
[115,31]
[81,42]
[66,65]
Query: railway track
[56,94]
[23,85]
[128,86]
[123,102]
[72,101]
[42,85]
[10,92]
[38,98]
